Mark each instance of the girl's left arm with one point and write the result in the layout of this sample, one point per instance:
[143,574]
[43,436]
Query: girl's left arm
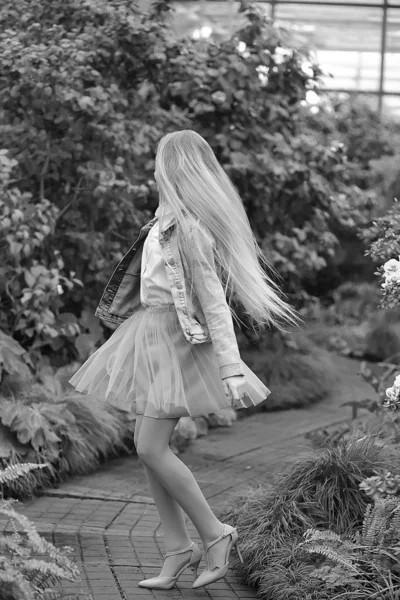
[211,295]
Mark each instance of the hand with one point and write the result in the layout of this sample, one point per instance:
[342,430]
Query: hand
[235,388]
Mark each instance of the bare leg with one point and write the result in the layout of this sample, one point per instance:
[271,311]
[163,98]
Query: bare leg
[171,514]
[153,449]
[172,518]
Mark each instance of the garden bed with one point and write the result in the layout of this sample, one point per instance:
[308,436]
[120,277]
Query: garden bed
[316,533]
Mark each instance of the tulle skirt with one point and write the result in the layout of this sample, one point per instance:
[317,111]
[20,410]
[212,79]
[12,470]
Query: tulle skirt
[149,367]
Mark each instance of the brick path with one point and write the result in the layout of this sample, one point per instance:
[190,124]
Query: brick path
[112,524]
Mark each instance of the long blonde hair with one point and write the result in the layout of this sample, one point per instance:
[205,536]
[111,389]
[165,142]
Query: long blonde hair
[192,183]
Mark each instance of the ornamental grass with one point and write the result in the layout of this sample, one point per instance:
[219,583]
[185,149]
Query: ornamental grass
[319,490]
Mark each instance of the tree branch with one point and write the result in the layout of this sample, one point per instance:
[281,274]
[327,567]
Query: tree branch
[70,203]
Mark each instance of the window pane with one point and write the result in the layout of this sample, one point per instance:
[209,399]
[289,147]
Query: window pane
[347,41]
[392,72]
[221,16]
[392,57]
[332,1]
[391,106]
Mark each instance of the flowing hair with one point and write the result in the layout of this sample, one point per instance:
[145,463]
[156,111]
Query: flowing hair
[193,184]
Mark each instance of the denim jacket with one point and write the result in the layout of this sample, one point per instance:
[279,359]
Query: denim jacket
[204,315]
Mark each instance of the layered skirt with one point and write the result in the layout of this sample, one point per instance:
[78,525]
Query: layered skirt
[147,366]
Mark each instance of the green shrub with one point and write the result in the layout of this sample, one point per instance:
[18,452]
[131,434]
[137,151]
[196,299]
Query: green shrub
[352,120]
[297,371]
[85,138]
[32,274]
[30,566]
[354,303]
[365,564]
[71,432]
[383,241]
[384,485]
[355,324]
[320,490]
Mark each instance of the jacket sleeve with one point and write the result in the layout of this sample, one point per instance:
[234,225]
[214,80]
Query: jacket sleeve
[217,314]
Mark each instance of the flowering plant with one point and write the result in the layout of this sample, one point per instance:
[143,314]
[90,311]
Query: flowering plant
[383,239]
[392,400]
[391,273]
[382,485]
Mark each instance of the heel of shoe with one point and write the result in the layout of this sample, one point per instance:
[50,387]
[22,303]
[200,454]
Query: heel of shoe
[238,552]
[195,567]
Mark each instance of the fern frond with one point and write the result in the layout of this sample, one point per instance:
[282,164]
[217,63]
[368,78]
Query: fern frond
[51,594]
[377,521]
[13,472]
[48,568]
[8,542]
[366,520]
[10,575]
[392,537]
[326,535]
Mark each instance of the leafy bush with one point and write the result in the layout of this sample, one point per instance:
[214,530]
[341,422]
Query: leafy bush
[366,564]
[384,485]
[385,177]
[353,303]
[299,372]
[85,135]
[356,324]
[30,566]
[31,273]
[321,490]
[382,237]
[70,432]
[352,121]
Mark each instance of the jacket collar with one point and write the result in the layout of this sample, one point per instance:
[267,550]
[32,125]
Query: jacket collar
[166,217]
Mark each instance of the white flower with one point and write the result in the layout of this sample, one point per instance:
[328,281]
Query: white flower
[391,266]
[391,393]
[397,382]
[395,276]
[218,97]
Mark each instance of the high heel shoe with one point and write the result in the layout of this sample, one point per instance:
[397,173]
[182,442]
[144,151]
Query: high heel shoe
[210,575]
[166,583]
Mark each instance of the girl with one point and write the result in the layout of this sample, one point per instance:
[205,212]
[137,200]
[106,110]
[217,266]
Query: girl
[175,352]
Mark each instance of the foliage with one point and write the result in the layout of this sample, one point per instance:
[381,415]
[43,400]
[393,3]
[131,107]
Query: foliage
[353,303]
[70,432]
[299,372]
[355,324]
[85,135]
[30,566]
[382,237]
[381,486]
[384,425]
[352,121]
[316,491]
[364,561]
[31,272]
[12,472]
[385,176]
[13,359]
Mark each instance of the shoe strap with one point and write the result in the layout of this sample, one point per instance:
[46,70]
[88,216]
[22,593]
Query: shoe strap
[179,551]
[225,533]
